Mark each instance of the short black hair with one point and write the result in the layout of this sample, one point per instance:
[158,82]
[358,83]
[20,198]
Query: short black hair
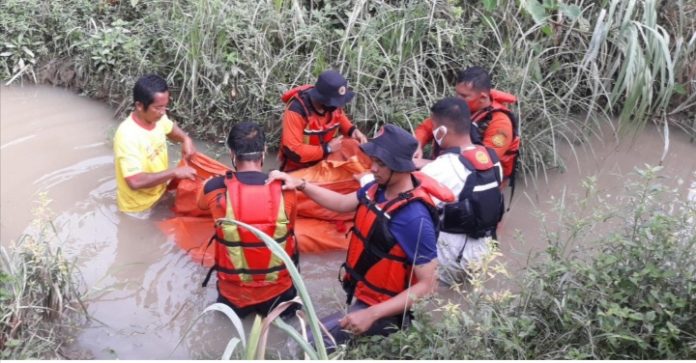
[478,77]
[247,140]
[146,87]
[454,113]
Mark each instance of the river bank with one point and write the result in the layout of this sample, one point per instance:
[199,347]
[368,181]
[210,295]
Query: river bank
[143,291]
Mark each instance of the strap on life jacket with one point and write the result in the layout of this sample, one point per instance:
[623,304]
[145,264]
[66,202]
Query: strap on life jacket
[372,252]
[480,204]
[379,244]
[482,119]
[287,237]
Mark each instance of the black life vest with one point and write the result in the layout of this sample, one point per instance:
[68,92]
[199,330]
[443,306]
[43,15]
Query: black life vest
[480,205]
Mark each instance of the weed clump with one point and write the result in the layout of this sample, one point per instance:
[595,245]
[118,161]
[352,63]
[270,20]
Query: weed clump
[39,298]
[617,281]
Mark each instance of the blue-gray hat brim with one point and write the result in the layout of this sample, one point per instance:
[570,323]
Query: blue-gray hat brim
[393,163]
[331,102]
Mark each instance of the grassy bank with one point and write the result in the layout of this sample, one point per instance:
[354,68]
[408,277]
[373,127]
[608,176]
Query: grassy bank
[229,60]
[617,281]
[39,299]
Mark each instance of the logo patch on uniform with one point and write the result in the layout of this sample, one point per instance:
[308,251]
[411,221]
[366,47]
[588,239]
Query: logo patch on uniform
[498,140]
[481,157]
[342,90]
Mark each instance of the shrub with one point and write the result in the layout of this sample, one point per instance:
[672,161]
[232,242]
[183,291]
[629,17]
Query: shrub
[231,60]
[38,295]
[617,281]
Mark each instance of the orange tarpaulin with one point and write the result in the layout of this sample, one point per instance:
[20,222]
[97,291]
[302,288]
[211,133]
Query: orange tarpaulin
[316,228]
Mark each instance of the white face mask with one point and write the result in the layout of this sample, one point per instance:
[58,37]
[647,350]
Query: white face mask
[437,131]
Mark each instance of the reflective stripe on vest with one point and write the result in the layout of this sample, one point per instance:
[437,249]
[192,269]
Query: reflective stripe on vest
[236,244]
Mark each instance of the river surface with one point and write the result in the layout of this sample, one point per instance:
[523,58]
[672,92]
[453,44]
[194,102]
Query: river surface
[143,291]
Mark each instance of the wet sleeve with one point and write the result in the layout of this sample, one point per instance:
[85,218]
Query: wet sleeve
[202,199]
[498,135]
[127,154]
[414,230]
[344,123]
[292,140]
[424,132]
[211,192]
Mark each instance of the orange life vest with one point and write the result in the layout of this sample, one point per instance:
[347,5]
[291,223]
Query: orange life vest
[483,117]
[376,266]
[241,257]
[315,133]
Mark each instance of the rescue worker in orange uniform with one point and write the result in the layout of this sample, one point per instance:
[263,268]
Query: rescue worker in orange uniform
[392,255]
[495,125]
[313,120]
[250,278]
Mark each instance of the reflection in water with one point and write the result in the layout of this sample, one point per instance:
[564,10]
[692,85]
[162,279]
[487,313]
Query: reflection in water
[143,292]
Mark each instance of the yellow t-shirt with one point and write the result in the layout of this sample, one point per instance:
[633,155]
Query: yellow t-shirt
[138,150]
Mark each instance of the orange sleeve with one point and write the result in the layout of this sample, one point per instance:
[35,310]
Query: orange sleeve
[343,122]
[498,135]
[213,200]
[291,141]
[424,132]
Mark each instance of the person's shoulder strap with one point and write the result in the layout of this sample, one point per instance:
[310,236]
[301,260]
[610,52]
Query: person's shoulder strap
[478,158]
[290,199]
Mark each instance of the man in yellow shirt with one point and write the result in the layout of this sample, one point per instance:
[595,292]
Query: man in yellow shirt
[140,148]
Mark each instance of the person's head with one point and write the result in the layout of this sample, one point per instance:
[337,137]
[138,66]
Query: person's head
[247,143]
[331,91]
[474,87]
[150,97]
[451,121]
[391,152]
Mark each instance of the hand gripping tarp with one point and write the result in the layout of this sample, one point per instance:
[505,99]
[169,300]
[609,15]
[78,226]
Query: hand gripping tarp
[317,229]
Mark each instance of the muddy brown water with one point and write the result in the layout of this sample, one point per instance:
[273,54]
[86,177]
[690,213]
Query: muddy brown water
[143,292]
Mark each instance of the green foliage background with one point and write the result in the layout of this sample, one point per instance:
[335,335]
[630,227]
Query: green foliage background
[617,281]
[231,60]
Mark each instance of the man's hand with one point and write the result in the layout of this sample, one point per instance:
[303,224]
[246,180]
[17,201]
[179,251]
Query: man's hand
[335,144]
[358,135]
[188,149]
[359,321]
[289,183]
[185,172]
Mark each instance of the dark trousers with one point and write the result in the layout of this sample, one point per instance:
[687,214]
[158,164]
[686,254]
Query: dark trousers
[263,308]
[384,326]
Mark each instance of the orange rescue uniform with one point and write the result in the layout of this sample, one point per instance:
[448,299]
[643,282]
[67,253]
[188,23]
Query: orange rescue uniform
[306,132]
[499,135]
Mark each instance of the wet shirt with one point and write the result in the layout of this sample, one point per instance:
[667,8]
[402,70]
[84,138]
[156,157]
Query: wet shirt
[409,222]
[139,150]
[454,251]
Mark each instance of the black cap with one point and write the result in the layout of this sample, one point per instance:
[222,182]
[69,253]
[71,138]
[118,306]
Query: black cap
[331,90]
[394,147]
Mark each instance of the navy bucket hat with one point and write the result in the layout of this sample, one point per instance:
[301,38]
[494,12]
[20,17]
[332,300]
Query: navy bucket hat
[394,147]
[331,89]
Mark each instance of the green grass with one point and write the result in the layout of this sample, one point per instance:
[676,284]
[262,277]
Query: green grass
[615,282]
[227,61]
[39,296]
